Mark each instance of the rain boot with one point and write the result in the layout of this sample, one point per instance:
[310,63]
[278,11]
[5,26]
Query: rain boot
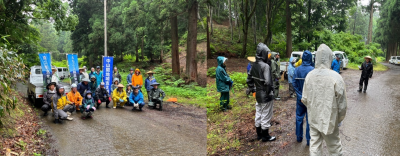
[365,88]
[259,135]
[266,137]
[360,88]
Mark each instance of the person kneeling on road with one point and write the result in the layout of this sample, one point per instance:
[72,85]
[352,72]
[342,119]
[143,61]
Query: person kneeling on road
[102,96]
[61,105]
[75,97]
[87,107]
[136,98]
[47,97]
[260,78]
[155,95]
[119,96]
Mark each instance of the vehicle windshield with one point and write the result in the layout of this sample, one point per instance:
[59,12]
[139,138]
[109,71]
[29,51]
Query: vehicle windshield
[65,69]
[340,56]
[38,71]
[345,56]
[398,58]
[296,55]
[59,70]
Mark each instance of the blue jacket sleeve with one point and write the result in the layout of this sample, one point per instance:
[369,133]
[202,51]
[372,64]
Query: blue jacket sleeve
[141,100]
[146,84]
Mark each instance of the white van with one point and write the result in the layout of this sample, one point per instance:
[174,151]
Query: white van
[394,60]
[343,58]
[63,72]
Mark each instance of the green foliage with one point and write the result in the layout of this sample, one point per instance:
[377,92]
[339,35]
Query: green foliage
[211,72]
[41,132]
[12,69]
[239,80]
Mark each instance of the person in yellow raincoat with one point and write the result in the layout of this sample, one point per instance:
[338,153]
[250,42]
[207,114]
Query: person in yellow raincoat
[75,97]
[119,96]
[61,106]
[137,79]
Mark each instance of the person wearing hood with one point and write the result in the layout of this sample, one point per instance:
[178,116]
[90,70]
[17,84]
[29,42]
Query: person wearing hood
[129,77]
[136,98]
[87,108]
[324,95]
[366,74]
[336,64]
[157,95]
[149,80]
[276,73]
[83,86]
[61,105]
[260,78]
[115,84]
[117,75]
[102,96]
[81,76]
[99,75]
[47,97]
[119,96]
[93,85]
[224,83]
[137,79]
[291,69]
[299,75]
[75,97]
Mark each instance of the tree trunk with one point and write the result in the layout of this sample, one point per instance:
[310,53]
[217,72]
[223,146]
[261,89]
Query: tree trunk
[137,53]
[254,29]
[355,20]
[191,61]
[288,29]
[174,46]
[199,18]
[247,19]
[211,23]
[230,19]
[162,49]
[237,22]
[209,55]
[371,18]
[142,47]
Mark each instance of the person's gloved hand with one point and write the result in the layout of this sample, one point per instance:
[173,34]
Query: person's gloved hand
[99,101]
[109,98]
[121,100]
[88,106]
[94,108]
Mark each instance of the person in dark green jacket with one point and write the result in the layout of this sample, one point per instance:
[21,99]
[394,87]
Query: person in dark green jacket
[224,83]
[276,73]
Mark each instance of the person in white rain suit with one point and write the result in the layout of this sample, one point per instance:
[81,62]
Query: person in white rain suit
[260,78]
[324,95]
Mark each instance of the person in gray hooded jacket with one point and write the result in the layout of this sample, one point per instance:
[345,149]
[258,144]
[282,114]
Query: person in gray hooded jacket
[51,90]
[260,78]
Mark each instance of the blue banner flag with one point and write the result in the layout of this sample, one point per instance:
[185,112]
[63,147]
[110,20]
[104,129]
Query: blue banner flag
[73,67]
[107,72]
[45,61]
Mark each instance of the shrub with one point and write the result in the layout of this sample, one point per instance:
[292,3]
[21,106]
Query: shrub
[211,72]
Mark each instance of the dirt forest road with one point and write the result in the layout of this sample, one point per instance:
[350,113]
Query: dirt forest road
[372,123]
[177,130]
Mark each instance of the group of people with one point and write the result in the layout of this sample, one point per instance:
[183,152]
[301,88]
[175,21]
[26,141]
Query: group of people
[94,94]
[318,86]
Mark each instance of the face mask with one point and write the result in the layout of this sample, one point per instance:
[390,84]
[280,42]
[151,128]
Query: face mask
[89,96]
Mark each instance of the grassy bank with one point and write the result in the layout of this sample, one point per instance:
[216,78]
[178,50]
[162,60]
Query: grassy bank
[21,132]
[377,66]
